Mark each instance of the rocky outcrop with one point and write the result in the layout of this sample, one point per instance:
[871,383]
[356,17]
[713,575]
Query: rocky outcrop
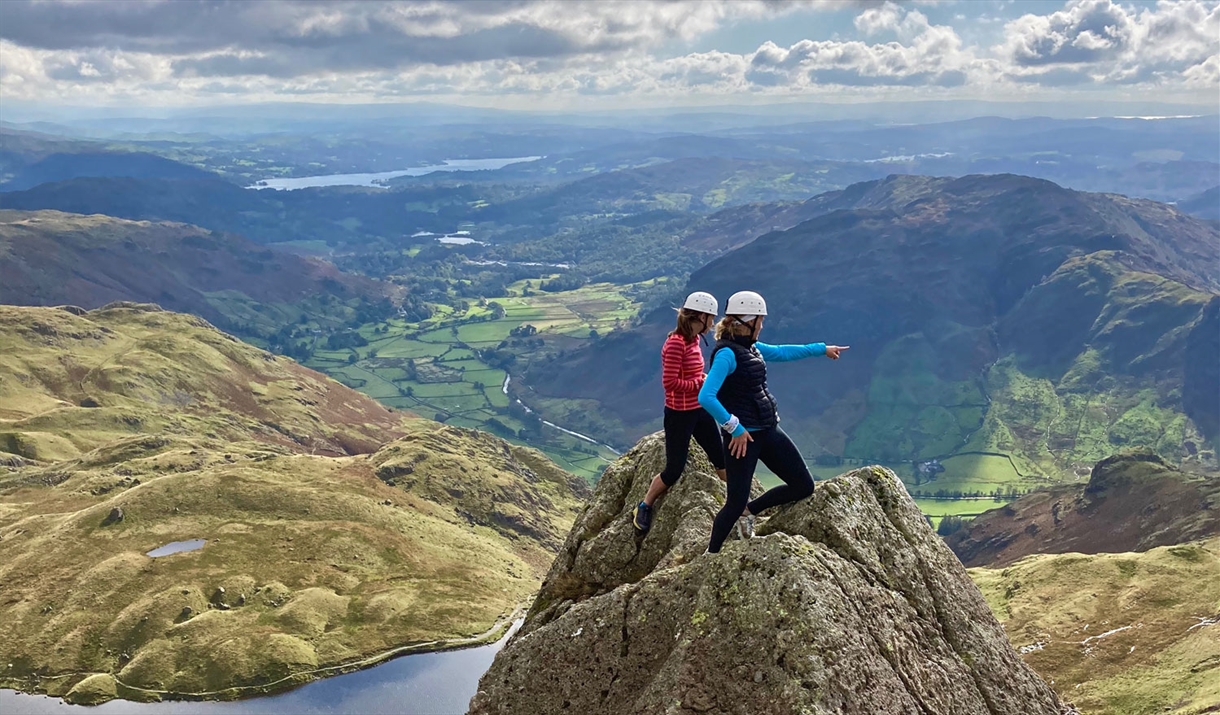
[604,551]
[1132,502]
[846,602]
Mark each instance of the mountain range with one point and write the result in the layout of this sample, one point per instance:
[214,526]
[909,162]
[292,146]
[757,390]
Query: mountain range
[997,315]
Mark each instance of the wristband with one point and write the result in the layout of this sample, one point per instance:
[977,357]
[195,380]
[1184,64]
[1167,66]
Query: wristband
[731,425]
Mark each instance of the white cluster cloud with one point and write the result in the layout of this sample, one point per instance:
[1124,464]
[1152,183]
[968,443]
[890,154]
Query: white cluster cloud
[923,54]
[165,50]
[1100,41]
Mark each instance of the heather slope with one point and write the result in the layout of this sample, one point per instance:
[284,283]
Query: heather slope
[1118,633]
[71,383]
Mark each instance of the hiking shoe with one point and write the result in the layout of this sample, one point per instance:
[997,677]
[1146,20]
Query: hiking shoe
[642,517]
[745,526]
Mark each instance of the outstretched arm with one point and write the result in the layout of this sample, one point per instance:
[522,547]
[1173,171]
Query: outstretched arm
[723,364]
[787,353]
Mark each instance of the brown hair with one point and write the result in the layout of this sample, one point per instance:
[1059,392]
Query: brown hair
[688,324]
[729,326]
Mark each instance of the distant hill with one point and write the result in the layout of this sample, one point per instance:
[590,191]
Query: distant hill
[697,184]
[1033,328]
[28,159]
[328,216]
[54,258]
[330,531]
[60,167]
[1205,205]
[75,381]
[1130,503]
[735,227]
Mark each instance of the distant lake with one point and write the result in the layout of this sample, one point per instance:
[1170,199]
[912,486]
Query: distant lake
[308,182]
[424,684]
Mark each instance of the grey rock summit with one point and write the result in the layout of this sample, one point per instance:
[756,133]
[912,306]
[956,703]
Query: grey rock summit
[846,602]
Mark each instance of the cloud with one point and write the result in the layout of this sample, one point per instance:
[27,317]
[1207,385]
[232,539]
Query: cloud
[355,50]
[1088,31]
[368,35]
[924,55]
[1115,44]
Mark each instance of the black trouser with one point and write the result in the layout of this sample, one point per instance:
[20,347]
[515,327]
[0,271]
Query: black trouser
[680,425]
[781,456]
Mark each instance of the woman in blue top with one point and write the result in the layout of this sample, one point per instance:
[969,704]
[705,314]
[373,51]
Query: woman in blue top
[735,394]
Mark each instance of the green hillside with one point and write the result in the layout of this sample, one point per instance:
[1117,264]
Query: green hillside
[55,258]
[1015,331]
[332,530]
[1117,634]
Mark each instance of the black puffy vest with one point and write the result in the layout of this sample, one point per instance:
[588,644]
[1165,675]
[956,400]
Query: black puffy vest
[744,392]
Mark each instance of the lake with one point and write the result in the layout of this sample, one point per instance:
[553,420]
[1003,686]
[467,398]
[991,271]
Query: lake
[423,684]
[176,547]
[374,179]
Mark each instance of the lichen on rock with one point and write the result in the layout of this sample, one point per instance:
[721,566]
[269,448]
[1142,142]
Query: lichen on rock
[603,550]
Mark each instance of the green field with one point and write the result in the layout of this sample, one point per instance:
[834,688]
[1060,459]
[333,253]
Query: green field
[965,473]
[433,367]
[937,509]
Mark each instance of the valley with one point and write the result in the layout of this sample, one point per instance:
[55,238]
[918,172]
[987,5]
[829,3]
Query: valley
[374,410]
[564,278]
[455,367]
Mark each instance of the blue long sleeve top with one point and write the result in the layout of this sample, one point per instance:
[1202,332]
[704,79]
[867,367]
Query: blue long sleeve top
[725,362]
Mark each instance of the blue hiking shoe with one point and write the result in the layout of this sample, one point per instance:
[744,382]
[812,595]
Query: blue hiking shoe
[642,517]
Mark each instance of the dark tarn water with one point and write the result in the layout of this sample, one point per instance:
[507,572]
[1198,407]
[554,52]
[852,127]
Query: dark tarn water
[424,684]
[176,547]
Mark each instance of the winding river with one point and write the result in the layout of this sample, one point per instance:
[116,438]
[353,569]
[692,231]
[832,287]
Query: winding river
[577,435]
[423,684]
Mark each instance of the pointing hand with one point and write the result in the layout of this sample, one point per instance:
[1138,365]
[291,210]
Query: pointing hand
[832,351]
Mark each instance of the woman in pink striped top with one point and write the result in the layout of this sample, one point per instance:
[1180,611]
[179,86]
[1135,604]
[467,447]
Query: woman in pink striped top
[682,376]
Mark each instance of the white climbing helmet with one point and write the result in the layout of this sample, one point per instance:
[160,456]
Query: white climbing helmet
[702,302]
[746,304]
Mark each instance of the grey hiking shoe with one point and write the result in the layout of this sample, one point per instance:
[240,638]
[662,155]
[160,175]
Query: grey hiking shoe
[745,526]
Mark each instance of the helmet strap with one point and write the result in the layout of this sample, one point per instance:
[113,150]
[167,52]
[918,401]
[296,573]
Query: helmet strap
[748,340]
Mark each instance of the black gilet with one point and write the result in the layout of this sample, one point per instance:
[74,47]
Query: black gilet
[744,392]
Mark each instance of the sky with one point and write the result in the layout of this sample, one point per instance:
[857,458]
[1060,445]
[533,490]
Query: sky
[568,54]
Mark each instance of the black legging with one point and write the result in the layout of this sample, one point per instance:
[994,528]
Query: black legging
[680,425]
[781,456]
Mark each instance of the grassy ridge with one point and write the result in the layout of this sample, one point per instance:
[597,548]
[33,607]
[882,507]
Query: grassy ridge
[72,383]
[127,428]
[1117,634]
